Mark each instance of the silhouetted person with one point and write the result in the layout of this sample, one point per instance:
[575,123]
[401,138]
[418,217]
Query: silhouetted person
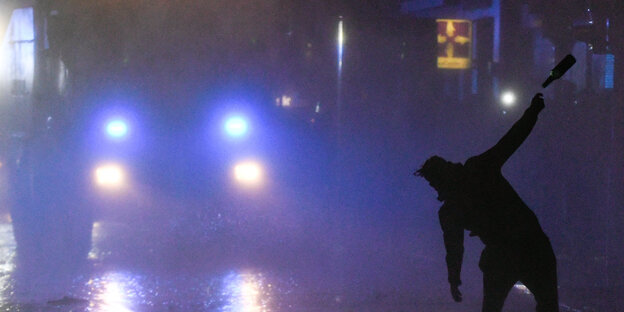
[479,199]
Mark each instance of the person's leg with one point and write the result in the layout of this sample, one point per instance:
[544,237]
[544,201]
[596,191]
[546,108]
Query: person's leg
[542,280]
[496,286]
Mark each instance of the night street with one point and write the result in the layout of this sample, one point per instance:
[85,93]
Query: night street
[286,155]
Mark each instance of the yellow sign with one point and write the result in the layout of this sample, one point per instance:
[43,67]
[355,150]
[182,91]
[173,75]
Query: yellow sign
[454,43]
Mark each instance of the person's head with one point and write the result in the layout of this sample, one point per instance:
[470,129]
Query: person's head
[441,174]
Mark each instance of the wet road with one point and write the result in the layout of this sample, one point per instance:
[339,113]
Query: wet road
[108,285]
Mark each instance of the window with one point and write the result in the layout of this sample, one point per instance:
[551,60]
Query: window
[17,52]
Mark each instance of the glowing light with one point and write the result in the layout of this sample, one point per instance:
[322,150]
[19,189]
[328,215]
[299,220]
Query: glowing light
[17,53]
[454,38]
[236,126]
[117,128]
[110,176]
[609,71]
[508,98]
[247,293]
[340,43]
[115,292]
[96,237]
[113,297]
[248,173]
[7,249]
[286,101]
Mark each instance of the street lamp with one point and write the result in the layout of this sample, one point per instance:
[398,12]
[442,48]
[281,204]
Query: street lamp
[508,98]
[341,40]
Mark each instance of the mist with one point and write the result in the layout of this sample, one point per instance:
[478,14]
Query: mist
[324,212]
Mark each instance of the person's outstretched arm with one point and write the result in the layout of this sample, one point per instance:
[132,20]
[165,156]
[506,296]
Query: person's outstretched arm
[454,243]
[506,146]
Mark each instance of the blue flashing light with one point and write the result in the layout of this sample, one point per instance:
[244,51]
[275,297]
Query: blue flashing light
[236,126]
[117,128]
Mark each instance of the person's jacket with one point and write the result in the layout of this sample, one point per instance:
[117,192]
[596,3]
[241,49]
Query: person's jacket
[484,202]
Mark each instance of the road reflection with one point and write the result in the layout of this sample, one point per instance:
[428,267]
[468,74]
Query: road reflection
[109,288]
[246,292]
[232,292]
[125,292]
[115,292]
[7,246]
[109,284]
[7,258]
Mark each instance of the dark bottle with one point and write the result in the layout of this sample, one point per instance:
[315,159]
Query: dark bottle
[560,69]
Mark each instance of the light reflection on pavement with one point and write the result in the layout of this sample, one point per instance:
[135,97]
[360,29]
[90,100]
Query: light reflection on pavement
[246,292]
[114,292]
[106,288]
[7,255]
[123,291]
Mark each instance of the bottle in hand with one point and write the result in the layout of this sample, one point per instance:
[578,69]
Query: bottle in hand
[560,69]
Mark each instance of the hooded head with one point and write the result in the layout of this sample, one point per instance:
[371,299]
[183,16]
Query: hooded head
[442,175]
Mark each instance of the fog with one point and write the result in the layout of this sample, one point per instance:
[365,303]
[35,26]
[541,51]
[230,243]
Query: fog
[336,220]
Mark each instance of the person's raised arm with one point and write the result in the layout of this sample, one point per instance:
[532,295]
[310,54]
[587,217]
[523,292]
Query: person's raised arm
[509,143]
